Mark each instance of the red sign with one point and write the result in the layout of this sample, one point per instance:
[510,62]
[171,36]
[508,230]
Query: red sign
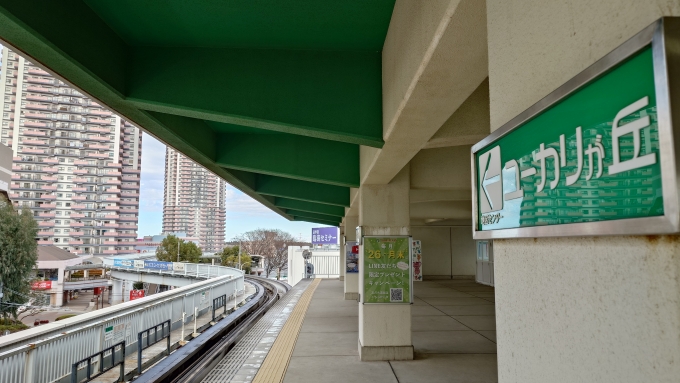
[355,249]
[41,285]
[136,294]
[98,290]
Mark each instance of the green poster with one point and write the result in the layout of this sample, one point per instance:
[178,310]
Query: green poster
[386,269]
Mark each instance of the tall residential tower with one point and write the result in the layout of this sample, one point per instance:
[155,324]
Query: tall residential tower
[194,201]
[76,165]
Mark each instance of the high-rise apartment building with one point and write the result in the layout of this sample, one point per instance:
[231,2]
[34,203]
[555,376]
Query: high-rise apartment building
[194,201]
[76,165]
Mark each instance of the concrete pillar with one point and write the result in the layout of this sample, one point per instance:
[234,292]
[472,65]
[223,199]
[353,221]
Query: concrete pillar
[385,329]
[342,253]
[599,309]
[351,279]
[117,292]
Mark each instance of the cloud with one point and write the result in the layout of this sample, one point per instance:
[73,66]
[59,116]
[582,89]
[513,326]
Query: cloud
[240,204]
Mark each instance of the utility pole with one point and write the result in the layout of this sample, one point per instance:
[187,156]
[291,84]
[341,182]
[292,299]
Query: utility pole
[239,256]
[178,249]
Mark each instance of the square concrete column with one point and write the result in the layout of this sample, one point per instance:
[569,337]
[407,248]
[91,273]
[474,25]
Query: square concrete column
[385,329]
[342,253]
[351,279]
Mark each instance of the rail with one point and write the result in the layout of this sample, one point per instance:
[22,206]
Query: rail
[46,353]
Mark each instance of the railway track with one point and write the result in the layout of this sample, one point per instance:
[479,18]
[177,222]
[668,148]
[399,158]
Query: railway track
[192,362]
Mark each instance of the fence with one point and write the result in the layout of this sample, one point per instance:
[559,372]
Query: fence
[46,353]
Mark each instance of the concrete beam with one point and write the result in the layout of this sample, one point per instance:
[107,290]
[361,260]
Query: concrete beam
[434,58]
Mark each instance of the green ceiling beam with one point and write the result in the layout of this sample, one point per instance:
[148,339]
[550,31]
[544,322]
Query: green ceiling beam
[332,95]
[311,207]
[302,190]
[306,214]
[319,221]
[195,132]
[286,155]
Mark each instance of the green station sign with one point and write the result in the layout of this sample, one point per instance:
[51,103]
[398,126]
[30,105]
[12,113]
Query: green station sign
[387,270]
[591,157]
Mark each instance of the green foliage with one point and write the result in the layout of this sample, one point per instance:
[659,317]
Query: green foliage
[138,285]
[64,317]
[11,325]
[188,251]
[230,258]
[18,254]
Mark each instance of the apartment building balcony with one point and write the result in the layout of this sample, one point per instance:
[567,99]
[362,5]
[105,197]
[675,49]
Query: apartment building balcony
[46,206]
[113,165]
[113,182]
[36,133]
[50,169]
[104,113]
[113,190]
[79,197]
[112,216]
[131,171]
[13,195]
[77,215]
[78,206]
[129,195]
[31,114]
[79,180]
[129,203]
[95,120]
[45,242]
[33,105]
[35,97]
[49,187]
[48,196]
[50,161]
[128,227]
[98,155]
[110,242]
[46,214]
[78,190]
[110,251]
[97,129]
[97,146]
[76,224]
[130,178]
[112,199]
[128,235]
[32,151]
[123,218]
[81,163]
[109,208]
[113,225]
[111,234]
[37,71]
[114,173]
[45,233]
[77,233]
[46,224]
[75,242]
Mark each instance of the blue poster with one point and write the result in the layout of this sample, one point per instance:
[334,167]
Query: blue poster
[123,263]
[325,236]
[158,265]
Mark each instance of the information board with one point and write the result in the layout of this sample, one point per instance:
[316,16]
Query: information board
[352,257]
[589,159]
[386,270]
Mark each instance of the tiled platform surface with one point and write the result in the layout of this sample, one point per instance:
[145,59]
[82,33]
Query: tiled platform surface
[454,333]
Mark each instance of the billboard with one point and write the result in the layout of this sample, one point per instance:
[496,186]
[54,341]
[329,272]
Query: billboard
[41,285]
[136,294]
[325,236]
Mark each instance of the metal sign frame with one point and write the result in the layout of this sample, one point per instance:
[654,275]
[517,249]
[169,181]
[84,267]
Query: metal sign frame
[666,64]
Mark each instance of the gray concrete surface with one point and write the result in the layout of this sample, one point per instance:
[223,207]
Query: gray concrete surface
[453,325]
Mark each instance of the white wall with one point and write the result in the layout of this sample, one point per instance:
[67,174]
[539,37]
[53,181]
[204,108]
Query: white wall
[601,309]
[447,251]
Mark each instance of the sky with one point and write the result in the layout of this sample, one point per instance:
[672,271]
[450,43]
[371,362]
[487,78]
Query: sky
[243,213]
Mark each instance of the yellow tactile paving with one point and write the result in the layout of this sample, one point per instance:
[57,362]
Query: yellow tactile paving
[274,367]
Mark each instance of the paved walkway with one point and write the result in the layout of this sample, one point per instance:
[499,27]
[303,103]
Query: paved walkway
[454,333]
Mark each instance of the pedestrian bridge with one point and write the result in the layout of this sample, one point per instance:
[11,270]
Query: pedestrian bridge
[45,353]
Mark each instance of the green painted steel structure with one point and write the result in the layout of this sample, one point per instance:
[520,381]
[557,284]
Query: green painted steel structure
[273,96]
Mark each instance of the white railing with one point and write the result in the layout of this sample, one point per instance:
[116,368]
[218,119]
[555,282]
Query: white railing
[326,266]
[46,353]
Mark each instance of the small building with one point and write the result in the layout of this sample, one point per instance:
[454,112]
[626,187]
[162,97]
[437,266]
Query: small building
[150,243]
[58,272]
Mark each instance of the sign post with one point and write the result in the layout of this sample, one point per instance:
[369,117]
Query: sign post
[386,270]
[595,157]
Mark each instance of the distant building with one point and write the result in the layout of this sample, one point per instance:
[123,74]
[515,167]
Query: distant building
[194,201]
[150,243]
[75,164]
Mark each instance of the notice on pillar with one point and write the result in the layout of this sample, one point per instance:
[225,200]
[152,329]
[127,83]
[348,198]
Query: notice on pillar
[387,270]
[352,256]
[417,261]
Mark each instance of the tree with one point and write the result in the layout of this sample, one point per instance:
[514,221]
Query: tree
[188,251]
[230,258]
[18,254]
[272,245]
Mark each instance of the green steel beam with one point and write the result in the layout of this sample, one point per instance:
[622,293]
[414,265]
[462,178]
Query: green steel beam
[319,221]
[306,214]
[302,190]
[287,155]
[310,207]
[329,95]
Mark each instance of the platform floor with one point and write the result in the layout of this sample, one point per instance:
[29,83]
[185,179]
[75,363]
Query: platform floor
[454,334]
